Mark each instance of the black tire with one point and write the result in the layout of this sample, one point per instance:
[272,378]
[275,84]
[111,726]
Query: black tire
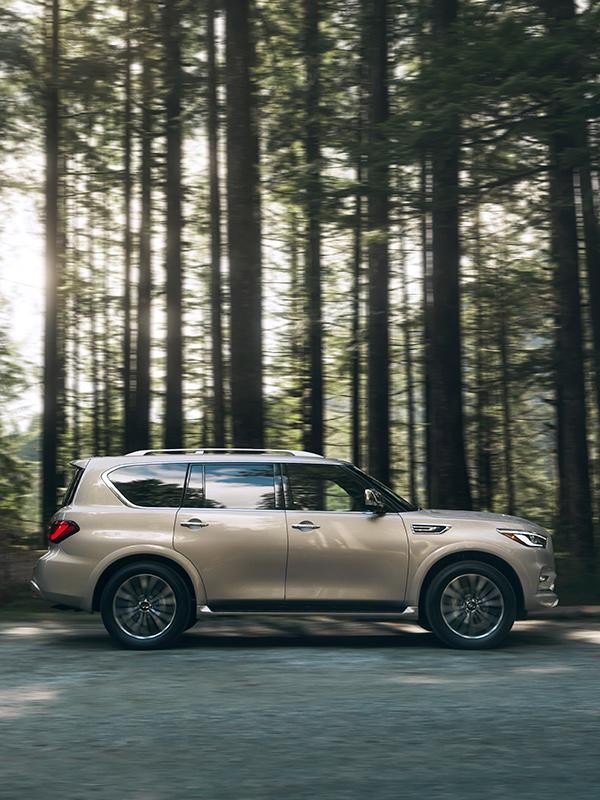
[470,605]
[141,628]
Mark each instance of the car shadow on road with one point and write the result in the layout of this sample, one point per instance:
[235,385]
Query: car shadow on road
[324,633]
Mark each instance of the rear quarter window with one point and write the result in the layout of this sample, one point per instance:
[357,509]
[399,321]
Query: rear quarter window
[150,485]
[72,487]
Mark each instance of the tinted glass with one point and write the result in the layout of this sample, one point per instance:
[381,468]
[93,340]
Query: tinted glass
[316,487]
[72,487]
[232,486]
[151,485]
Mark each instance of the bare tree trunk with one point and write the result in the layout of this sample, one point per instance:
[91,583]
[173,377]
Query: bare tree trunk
[427,312]
[355,372]
[505,393]
[449,479]
[483,443]
[128,410]
[216,299]
[575,496]
[244,230]
[144,292]
[409,373]
[173,428]
[314,432]
[378,224]
[51,361]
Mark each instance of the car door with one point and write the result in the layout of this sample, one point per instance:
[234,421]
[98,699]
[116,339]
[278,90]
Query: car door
[232,527]
[339,553]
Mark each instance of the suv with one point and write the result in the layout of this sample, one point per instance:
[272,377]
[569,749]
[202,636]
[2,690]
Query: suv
[156,538]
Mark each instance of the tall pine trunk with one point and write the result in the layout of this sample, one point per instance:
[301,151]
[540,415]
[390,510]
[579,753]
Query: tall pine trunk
[244,230]
[50,409]
[314,433]
[216,298]
[575,513]
[449,479]
[128,410]
[376,51]
[144,289]
[173,422]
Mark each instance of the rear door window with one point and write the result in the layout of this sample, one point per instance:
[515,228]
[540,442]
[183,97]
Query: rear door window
[150,485]
[244,486]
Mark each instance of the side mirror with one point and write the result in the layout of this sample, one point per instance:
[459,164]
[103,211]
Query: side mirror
[374,502]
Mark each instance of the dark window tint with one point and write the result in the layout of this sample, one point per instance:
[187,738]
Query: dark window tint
[151,485]
[72,487]
[324,487]
[232,486]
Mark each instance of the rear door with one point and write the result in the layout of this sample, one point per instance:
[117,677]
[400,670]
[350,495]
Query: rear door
[339,553]
[232,527]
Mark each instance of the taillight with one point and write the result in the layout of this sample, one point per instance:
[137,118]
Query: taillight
[61,530]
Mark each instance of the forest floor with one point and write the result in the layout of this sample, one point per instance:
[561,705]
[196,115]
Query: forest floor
[296,708]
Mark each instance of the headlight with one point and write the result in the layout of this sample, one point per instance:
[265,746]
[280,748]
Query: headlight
[528,538]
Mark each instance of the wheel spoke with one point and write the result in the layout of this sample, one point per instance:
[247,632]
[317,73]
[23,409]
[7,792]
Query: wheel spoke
[144,606]
[472,605]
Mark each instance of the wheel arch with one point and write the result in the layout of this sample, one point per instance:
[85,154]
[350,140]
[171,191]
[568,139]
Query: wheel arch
[474,555]
[118,563]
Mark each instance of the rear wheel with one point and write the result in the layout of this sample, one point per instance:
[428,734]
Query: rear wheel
[145,606]
[471,605]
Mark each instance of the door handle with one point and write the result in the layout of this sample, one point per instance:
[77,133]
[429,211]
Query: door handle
[194,523]
[306,525]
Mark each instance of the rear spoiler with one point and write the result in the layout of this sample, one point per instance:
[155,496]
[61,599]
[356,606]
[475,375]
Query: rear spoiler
[81,463]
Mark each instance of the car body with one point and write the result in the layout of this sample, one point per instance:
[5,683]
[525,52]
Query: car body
[274,531]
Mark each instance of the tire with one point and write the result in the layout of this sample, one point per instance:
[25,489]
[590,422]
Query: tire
[470,605]
[145,605]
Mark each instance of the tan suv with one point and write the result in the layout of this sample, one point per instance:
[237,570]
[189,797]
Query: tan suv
[156,538]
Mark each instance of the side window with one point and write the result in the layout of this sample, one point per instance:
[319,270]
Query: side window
[150,485]
[247,486]
[326,487]
[72,487]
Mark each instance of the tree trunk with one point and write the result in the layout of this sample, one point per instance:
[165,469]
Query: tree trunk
[144,292]
[355,439]
[482,412]
[128,410]
[244,230]
[575,513]
[314,433]
[50,410]
[505,395]
[426,262]
[591,232]
[216,299]
[173,426]
[449,479]
[376,24]
[411,439]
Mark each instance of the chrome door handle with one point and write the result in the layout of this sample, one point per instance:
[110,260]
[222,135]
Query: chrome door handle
[194,523]
[306,525]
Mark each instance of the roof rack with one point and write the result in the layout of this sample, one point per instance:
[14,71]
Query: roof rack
[200,451]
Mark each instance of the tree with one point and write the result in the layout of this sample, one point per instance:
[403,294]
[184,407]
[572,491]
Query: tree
[314,433]
[51,359]
[216,293]
[171,20]
[243,229]
[376,53]
[449,479]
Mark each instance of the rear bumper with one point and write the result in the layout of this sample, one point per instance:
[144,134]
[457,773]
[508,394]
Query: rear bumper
[52,581]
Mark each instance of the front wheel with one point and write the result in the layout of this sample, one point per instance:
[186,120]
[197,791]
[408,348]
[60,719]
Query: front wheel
[471,605]
[145,606]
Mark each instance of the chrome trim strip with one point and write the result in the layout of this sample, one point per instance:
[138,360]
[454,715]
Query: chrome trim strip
[423,527]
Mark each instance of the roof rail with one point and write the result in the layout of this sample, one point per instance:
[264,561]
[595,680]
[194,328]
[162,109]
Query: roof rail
[200,451]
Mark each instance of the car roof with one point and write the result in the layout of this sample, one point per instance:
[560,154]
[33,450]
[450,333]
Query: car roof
[200,455]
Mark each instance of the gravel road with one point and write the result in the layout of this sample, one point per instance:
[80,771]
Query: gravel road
[297,708]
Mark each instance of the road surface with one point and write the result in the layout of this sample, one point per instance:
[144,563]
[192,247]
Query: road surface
[288,708]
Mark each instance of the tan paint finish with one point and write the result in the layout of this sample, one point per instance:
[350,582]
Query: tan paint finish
[352,556]
[240,554]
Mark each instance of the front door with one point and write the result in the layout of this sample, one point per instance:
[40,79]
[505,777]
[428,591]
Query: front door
[339,553]
[232,527]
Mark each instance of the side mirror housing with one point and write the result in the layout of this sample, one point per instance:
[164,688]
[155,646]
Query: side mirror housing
[374,502]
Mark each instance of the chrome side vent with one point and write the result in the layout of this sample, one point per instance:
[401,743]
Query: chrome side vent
[424,528]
